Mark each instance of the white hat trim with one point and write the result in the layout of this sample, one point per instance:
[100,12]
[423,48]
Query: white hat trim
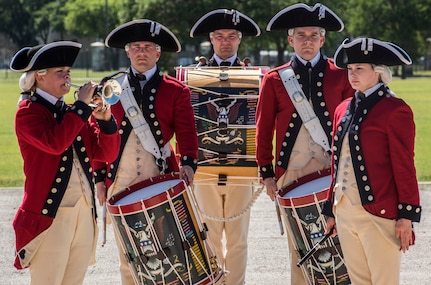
[371,43]
[43,49]
[235,19]
[322,10]
[155,29]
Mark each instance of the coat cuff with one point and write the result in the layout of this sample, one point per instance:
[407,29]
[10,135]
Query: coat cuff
[327,208]
[408,211]
[99,175]
[267,171]
[108,127]
[190,161]
[81,109]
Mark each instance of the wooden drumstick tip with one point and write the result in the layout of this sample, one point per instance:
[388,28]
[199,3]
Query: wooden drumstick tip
[280,222]
[104,224]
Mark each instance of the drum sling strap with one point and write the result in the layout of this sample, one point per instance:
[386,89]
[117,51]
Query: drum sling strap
[141,127]
[305,111]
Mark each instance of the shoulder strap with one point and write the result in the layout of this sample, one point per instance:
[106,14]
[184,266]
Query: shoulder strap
[140,125]
[305,111]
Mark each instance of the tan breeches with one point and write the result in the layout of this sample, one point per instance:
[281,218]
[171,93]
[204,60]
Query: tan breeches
[371,251]
[229,238]
[68,248]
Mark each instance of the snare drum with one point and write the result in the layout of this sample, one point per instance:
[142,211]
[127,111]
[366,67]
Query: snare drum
[162,236]
[300,203]
[224,102]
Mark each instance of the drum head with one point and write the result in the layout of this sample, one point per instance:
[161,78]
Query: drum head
[148,192]
[308,188]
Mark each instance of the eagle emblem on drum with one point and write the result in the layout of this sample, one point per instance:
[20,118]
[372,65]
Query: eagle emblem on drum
[157,262]
[225,113]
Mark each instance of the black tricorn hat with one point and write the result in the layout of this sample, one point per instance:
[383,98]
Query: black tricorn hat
[368,50]
[143,30]
[224,19]
[302,15]
[55,54]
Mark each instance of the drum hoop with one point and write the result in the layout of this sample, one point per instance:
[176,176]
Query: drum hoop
[306,200]
[150,202]
[307,178]
[208,73]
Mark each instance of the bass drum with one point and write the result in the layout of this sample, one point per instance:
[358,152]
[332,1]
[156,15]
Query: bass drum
[224,100]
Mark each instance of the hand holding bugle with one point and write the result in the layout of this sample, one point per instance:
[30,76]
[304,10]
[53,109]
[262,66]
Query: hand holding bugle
[109,89]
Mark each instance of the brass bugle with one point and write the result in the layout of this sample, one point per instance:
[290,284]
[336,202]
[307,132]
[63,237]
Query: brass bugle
[110,90]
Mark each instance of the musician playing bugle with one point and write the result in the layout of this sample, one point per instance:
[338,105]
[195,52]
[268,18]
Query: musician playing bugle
[55,226]
[164,103]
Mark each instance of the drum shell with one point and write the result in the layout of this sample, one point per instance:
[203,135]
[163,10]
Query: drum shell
[300,205]
[211,90]
[163,230]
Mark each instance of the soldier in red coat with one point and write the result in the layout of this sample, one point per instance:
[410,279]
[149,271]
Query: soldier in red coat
[55,226]
[374,196]
[296,152]
[165,105]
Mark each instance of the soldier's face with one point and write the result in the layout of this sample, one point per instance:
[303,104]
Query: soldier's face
[306,41]
[143,55]
[362,76]
[225,42]
[54,81]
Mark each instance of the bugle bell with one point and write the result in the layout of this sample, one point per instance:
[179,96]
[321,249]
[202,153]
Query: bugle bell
[109,89]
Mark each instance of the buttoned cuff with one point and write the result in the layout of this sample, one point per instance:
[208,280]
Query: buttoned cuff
[190,161]
[266,171]
[411,212]
[99,175]
[81,109]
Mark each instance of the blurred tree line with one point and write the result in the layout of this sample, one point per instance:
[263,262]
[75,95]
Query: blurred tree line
[29,22]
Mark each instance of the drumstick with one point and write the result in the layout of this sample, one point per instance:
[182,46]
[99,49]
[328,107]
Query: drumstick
[104,224]
[313,249]
[280,222]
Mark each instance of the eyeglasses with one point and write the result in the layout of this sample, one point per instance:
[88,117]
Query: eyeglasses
[229,38]
[145,48]
[311,38]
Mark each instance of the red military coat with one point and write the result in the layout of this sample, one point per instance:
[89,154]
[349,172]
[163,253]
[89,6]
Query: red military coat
[276,112]
[381,138]
[174,114]
[43,142]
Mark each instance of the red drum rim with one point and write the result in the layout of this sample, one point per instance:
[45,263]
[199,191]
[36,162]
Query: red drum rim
[304,200]
[153,201]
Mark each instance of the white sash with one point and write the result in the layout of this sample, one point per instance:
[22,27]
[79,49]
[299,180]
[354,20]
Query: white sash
[140,125]
[305,111]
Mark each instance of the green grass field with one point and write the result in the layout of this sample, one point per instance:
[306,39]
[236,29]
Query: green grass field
[415,91]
